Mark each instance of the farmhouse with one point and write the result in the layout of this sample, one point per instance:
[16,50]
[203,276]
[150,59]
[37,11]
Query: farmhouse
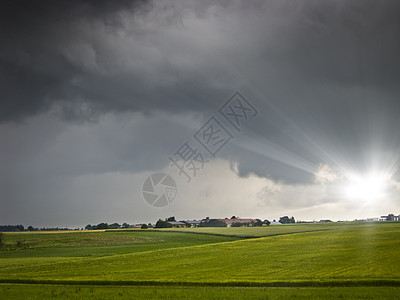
[275,223]
[390,217]
[135,226]
[372,219]
[178,224]
[191,224]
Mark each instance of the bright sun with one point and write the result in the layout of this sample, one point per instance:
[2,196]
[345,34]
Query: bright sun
[367,187]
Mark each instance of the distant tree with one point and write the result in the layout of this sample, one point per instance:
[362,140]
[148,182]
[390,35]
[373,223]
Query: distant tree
[212,223]
[236,224]
[125,225]
[163,224]
[258,223]
[267,222]
[114,226]
[144,226]
[170,219]
[87,227]
[284,220]
[102,226]
[30,228]
[20,228]
[233,217]
[1,239]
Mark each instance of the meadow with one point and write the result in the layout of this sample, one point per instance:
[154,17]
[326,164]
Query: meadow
[343,260]
[39,291]
[253,232]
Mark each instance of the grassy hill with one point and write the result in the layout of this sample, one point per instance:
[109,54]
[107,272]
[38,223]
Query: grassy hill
[363,254]
[252,232]
[40,247]
[56,291]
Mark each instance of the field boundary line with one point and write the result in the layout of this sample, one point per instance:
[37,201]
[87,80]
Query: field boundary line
[305,283]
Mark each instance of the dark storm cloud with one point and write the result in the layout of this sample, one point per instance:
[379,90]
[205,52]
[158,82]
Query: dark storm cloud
[317,71]
[32,34]
[350,43]
[74,53]
[178,55]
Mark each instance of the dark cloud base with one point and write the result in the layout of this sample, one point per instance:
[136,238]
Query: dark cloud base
[47,48]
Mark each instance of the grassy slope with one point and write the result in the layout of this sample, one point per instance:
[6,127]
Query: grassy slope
[124,292]
[65,246]
[260,231]
[349,253]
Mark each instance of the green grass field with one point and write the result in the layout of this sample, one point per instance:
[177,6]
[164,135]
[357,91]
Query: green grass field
[342,260]
[42,247]
[39,291]
[252,232]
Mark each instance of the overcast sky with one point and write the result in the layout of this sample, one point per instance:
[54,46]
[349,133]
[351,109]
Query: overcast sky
[98,95]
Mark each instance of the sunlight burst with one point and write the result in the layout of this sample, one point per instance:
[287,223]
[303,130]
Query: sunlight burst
[371,186]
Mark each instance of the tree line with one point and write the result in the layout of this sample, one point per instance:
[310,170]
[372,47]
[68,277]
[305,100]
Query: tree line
[113,226]
[16,228]
[12,228]
[207,222]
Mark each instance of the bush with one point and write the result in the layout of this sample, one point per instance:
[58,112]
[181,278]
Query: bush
[212,223]
[22,244]
[1,239]
[102,226]
[144,226]
[236,224]
[287,220]
[114,226]
[258,223]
